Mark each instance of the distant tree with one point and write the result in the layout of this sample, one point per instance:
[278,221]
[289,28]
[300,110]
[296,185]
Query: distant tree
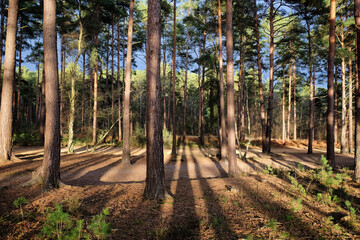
[6,115]
[155,173]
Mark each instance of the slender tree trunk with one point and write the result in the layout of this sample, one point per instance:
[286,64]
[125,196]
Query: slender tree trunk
[351,131]
[271,82]
[262,105]
[62,79]
[233,168]
[185,84]
[37,94]
[112,73]
[289,103]
[95,72]
[357,90]
[119,82]
[312,102]
[51,162]
[83,94]
[6,116]
[42,105]
[343,94]
[155,174]
[295,128]
[164,77]
[2,33]
[223,140]
[336,107]
[201,117]
[242,90]
[173,151]
[330,153]
[283,108]
[19,78]
[126,107]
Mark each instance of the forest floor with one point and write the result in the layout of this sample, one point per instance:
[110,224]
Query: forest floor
[283,195]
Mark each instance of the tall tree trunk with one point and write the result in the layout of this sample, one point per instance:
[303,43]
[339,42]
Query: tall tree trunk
[343,94]
[118,82]
[37,95]
[351,131]
[336,107]
[289,103]
[173,151]
[19,78]
[126,107]
[283,107]
[6,116]
[233,169]
[95,72]
[223,141]
[242,89]
[201,114]
[357,90]
[295,128]
[330,150]
[62,79]
[185,83]
[83,94]
[271,82]
[312,102]
[155,174]
[262,105]
[2,33]
[112,73]
[164,77]
[51,163]
[42,106]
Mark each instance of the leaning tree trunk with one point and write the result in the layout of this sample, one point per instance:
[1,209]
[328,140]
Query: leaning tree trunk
[357,90]
[223,148]
[233,169]
[330,150]
[6,116]
[126,107]
[262,106]
[155,174]
[51,164]
[271,82]
[173,151]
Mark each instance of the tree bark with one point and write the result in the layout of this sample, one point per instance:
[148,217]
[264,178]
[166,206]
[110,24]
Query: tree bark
[289,103]
[343,148]
[185,83]
[330,151]
[271,82]
[357,90]
[351,131]
[164,78]
[51,163]
[295,127]
[223,141]
[112,73]
[18,110]
[283,107]
[2,33]
[83,94]
[173,150]
[262,105]
[233,168]
[312,102]
[119,82]
[42,106]
[6,116]
[126,107]
[155,174]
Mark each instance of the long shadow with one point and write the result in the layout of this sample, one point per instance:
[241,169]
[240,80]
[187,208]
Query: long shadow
[184,222]
[296,225]
[214,208]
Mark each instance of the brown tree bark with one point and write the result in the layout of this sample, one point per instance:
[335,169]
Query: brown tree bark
[173,150]
[42,106]
[223,141]
[51,163]
[126,107]
[119,82]
[262,105]
[2,33]
[289,102]
[312,102]
[351,131]
[83,93]
[185,83]
[95,76]
[6,116]
[242,89]
[202,85]
[343,148]
[295,127]
[330,149]
[112,72]
[233,168]
[271,82]
[283,107]
[155,174]
[357,90]
[164,78]
[18,108]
